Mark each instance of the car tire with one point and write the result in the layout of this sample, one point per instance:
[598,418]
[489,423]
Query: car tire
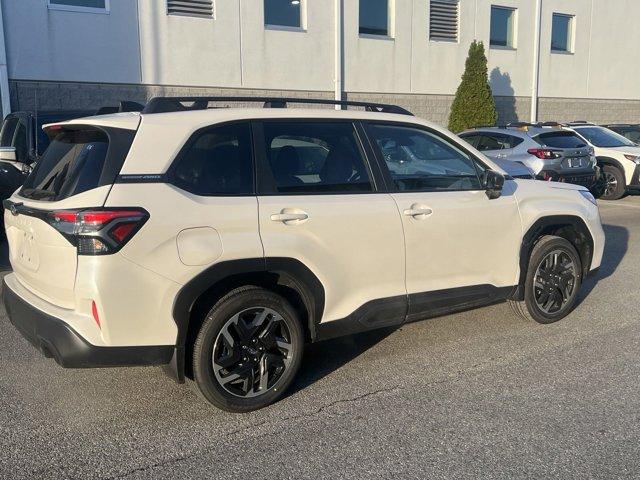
[550,289]
[249,331]
[613,183]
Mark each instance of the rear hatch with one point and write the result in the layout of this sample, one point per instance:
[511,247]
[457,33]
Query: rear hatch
[573,155]
[76,172]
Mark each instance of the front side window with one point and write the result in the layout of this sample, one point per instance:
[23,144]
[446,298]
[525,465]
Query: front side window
[315,157]
[502,27]
[420,161]
[561,33]
[282,13]
[217,161]
[374,17]
[97,6]
[604,138]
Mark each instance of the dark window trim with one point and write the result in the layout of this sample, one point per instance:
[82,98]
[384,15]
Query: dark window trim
[169,175]
[266,183]
[391,186]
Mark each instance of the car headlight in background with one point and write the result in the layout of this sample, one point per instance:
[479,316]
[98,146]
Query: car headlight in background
[633,158]
[587,195]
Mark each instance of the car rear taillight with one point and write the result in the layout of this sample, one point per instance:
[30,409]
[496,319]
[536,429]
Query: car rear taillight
[544,153]
[98,231]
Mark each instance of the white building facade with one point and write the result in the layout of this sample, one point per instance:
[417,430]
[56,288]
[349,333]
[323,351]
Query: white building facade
[550,59]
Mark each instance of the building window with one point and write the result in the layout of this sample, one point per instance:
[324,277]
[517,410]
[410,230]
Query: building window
[503,27]
[283,13]
[92,6]
[374,17]
[191,8]
[562,33]
[443,20]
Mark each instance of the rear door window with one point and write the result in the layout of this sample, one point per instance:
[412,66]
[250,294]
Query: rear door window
[315,157]
[560,140]
[489,142]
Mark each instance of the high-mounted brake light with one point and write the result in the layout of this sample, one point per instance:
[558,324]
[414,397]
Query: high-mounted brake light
[98,232]
[544,153]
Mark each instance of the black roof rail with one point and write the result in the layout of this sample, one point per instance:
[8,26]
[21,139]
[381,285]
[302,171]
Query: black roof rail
[488,126]
[177,104]
[548,124]
[520,124]
[123,106]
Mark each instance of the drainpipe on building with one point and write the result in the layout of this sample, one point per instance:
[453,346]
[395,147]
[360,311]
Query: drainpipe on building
[536,62]
[4,75]
[338,53]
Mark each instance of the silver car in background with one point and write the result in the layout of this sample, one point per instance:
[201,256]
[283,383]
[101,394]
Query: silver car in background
[552,153]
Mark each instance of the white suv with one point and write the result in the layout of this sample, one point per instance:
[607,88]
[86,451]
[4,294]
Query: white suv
[618,157]
[217,242]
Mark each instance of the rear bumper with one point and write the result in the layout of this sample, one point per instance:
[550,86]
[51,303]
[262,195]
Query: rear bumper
[56,339]
[584,179]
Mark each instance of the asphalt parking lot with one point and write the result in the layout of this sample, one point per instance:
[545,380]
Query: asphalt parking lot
[477,394]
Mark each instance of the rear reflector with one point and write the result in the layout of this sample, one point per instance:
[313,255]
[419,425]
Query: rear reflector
[98,231]
[94,311]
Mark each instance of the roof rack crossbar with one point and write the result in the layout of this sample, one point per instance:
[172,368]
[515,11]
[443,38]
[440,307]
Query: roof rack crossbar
[176,104]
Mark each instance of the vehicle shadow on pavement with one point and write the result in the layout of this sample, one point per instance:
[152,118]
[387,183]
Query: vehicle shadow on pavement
[323,358]
[615,248]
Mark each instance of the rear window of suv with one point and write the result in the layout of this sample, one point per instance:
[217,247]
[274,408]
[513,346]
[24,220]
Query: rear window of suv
[78,159]
[560,140]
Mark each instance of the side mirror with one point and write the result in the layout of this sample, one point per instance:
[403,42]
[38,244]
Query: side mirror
[493,183]
[8,154]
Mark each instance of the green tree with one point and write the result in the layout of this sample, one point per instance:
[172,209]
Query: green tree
[473,104]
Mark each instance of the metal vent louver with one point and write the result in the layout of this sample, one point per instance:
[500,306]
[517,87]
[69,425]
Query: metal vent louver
[443,24]
[191,8]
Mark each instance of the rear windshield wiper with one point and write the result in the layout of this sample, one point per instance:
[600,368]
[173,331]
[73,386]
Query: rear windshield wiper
[37,193]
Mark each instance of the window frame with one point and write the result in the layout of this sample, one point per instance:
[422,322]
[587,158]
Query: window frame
[76,8]
[390,186]
[287,28]
[390,34]
[514,39]
[170,178]
[266,185]
[570,34]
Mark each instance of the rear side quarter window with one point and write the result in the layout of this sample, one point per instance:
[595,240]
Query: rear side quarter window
[216,161]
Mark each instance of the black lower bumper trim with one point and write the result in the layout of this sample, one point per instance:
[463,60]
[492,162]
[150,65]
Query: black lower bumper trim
[55,339]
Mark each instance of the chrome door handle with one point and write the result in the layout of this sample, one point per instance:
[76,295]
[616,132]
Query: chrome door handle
[419,212]
[290,217]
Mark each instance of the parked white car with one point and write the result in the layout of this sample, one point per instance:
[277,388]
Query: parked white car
[618,157]
[217,242]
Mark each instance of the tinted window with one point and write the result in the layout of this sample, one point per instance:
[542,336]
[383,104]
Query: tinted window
[217,161]
[421,161]
[603,137]
[374,17]
[20,142]
[631,133]
[502,26]
[490,142]
[8,130]
[315,157]
[560,140]
[282,12]
[561,33]
[472,139]
[72,164]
